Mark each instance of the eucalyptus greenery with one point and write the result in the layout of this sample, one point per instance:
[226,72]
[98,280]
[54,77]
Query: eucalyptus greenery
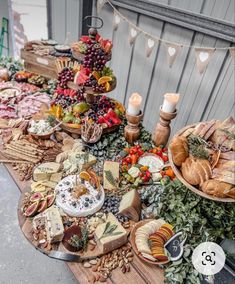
[12,65]
[200,220]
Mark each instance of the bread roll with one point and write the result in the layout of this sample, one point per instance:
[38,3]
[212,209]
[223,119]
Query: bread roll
[196,171]
[179,150]
[218,188]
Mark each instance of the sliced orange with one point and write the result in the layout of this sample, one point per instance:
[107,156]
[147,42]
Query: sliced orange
[107,87]
[74,125]
[96,75]
[104,79]
[85,175]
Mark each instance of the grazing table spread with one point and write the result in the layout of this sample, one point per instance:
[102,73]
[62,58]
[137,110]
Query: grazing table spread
[109,208]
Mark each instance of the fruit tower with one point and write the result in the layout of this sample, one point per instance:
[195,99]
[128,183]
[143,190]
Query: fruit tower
[79,97]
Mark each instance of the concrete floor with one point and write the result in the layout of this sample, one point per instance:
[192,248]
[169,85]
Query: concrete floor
[20,263]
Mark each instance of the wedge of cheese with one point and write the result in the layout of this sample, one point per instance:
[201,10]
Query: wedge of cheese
[110,175]
[52,221]
[45,170]
[130,205]
[112,241]
[54,225]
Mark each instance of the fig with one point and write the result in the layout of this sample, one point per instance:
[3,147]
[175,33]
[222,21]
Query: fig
[42,206]
[50,199]
[32,209]
[36,196]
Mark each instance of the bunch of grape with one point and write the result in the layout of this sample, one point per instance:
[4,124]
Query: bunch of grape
[94,58]
[64,77]
[105,104]
[66,101]
[92,82]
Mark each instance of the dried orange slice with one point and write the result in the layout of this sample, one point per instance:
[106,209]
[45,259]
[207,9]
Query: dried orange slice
[85,175]
[94,179]
[96,75]
[107,87]
[104,79]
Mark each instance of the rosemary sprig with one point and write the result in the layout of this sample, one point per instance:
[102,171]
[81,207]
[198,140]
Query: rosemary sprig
[109,231]
[109,176]
[197,147]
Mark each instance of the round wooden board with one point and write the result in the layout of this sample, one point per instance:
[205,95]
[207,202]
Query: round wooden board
[180,177]
[132,241]
[26,228]
[89,90]
[107,130]
[65,127]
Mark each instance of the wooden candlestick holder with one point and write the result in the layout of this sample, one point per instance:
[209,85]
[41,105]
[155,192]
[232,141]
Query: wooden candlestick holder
[132,130]
[162,131]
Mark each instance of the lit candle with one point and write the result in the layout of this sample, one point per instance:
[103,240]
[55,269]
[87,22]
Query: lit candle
[170,102]
[134,104]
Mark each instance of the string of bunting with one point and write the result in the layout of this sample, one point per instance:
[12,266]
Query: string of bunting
[203,54]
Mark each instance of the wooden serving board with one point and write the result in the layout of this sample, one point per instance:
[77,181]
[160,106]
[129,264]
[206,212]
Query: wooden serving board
[180,177]
[140,273]
[89,90]
[133,244]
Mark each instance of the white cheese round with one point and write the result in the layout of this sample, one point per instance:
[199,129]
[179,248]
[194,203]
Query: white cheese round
[85,205]
[154,162]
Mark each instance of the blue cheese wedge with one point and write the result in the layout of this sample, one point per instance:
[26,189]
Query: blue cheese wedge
[45,170]
[111,241]
[51,220]
[54,226]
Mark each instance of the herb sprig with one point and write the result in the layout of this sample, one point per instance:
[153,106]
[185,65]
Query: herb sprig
[109,231]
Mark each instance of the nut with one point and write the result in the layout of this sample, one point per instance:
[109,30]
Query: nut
[124,269]
[121,263]
[93,261]
[86,264]
[129,254]
[128,268]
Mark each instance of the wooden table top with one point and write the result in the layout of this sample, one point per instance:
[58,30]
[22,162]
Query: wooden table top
[140,272]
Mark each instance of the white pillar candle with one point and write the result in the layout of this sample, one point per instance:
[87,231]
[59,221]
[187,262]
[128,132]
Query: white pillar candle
[170,102]
[134,104]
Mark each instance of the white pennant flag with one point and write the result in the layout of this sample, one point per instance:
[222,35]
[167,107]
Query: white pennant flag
[116,21]
[100,4]
[150,43]
[133,34]
[172,51]
[203,56]
[232,53]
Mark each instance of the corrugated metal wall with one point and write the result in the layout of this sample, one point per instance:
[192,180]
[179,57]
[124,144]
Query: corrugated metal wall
[206,96]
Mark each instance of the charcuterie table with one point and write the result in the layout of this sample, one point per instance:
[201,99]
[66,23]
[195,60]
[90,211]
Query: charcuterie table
[99,191]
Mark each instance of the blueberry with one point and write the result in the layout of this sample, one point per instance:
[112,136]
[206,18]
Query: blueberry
[87,199]
[86,204]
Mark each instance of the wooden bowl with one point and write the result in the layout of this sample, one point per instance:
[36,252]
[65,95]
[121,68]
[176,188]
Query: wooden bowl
[73,230]
[89,90]
[188,185]
[45,136]
[65,126]
[132,241]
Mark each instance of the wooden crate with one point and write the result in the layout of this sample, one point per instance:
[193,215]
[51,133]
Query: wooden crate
[43,65]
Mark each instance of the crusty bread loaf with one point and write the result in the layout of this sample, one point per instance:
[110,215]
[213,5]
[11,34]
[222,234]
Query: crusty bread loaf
[218,188]
[196,171]
[179,150]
